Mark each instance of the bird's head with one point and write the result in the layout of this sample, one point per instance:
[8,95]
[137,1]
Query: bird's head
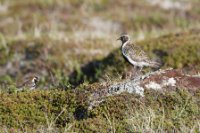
[124,38]
[35,79]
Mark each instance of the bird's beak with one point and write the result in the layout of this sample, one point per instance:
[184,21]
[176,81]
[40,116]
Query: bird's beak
[118,39]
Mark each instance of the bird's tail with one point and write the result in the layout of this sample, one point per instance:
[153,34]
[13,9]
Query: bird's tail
[154,64]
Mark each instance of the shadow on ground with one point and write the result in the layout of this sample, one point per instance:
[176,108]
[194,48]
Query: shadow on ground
[113,64]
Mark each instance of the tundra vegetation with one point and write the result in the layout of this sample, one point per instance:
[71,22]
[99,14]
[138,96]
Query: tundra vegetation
[71,45]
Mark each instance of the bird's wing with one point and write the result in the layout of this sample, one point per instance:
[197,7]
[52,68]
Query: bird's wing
[25,83]
[137,54]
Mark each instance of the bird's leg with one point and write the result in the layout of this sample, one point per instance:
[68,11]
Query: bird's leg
[134,67]
[135,71]
[140,69]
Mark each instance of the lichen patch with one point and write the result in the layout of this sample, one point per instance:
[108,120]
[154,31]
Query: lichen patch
[169,82]
[153,85]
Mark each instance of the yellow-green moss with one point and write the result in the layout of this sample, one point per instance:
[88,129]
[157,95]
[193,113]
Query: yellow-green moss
[31,109]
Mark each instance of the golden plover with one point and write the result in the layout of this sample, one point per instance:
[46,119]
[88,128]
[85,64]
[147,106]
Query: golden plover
[30,82]
[134,55]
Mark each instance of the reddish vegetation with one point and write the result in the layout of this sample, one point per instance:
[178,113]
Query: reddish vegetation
[182,80]
[161,80]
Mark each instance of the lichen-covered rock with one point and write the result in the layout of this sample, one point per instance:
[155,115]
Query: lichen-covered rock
[171,79]
[161,80]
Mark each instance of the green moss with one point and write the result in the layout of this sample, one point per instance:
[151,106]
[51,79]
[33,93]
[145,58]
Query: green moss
[16,108]
[159,112]
[122,113]
[4,50]
[176,50]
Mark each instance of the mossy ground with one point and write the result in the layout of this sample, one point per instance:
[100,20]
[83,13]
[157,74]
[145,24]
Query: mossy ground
[164,111]
[72,44]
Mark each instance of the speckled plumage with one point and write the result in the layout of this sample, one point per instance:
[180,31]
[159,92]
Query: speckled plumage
[30,83]
[135,55]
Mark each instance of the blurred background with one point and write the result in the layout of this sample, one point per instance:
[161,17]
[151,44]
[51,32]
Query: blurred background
[65,41]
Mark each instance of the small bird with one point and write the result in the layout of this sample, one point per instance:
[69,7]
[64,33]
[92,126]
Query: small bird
[29,82]
[135,55]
